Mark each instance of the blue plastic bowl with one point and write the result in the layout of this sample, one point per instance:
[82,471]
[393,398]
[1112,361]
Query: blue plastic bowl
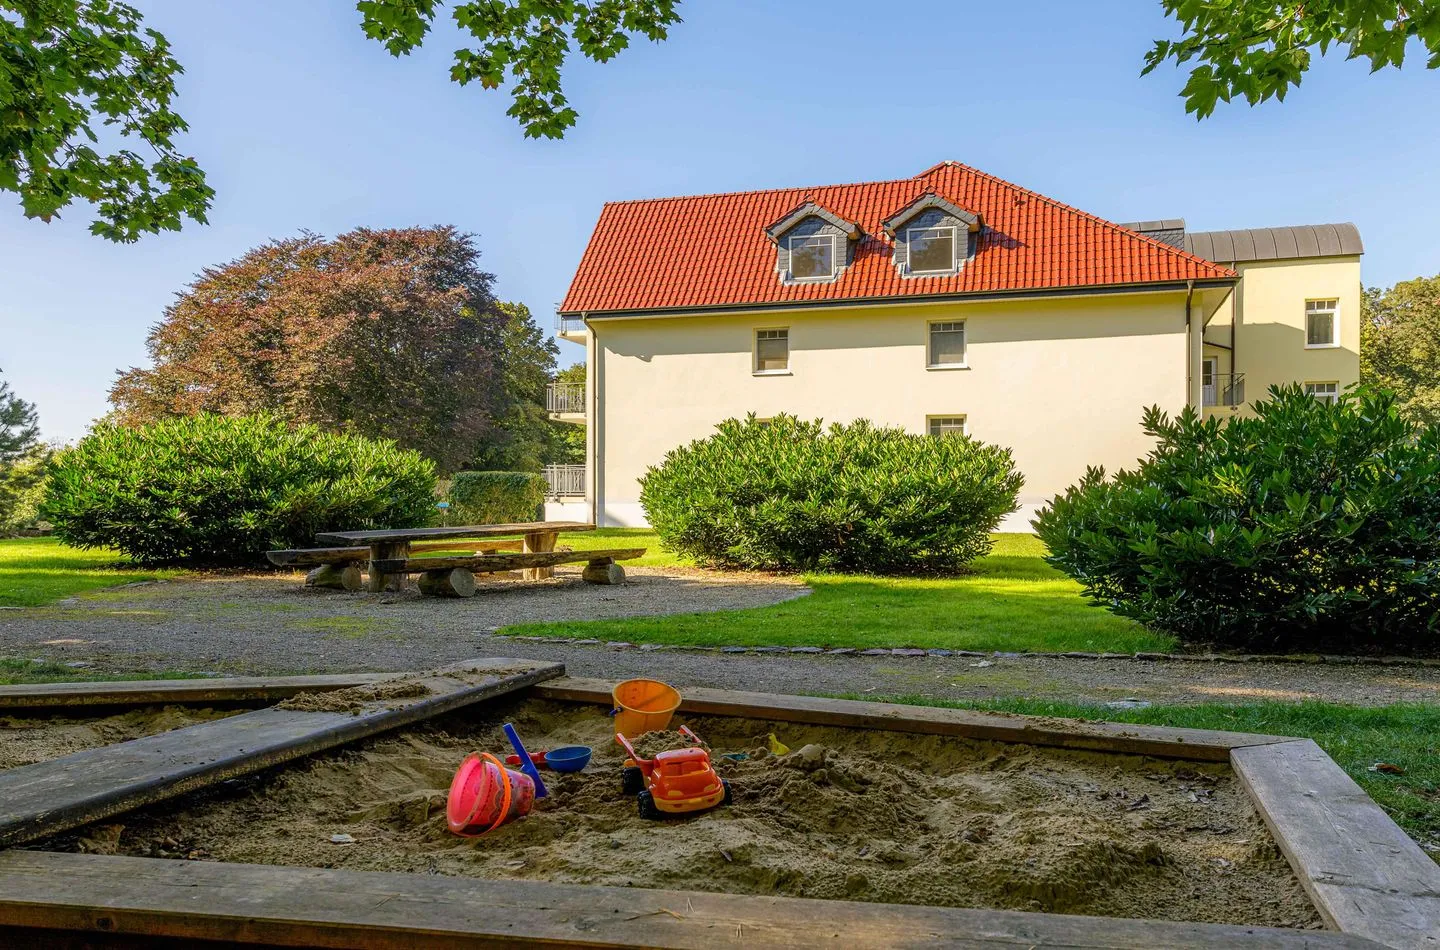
[570,758]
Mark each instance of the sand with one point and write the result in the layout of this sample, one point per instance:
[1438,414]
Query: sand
[849,814]
[28,739]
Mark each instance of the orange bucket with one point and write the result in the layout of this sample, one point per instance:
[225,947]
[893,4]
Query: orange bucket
[643,706]
[484,795]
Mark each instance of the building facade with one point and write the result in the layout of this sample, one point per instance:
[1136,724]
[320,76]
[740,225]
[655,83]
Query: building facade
[952,302]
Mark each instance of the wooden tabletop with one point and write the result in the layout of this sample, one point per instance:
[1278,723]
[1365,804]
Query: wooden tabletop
[397,535]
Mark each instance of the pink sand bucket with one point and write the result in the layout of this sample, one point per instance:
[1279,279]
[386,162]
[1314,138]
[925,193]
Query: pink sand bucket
[485,794]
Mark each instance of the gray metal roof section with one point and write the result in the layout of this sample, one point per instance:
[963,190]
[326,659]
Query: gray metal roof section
[1170,231]
[1276,244]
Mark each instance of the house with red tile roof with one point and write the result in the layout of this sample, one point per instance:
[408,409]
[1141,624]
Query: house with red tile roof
[953,302]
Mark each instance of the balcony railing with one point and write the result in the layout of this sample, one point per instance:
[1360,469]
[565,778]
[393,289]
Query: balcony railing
[1222,389]
[565,323]
[565,481]
[565,397]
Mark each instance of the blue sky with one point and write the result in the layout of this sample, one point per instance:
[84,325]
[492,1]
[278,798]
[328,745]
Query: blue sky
[302,123]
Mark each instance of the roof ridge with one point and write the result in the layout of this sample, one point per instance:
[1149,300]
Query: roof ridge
[1183,254]
[803,189]
[1279,227]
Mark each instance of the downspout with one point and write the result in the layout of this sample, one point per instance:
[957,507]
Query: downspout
[1189,379]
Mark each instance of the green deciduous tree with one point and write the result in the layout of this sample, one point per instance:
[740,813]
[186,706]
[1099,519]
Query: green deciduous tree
[1400,344]
[522,432]
[1258,49]
[524,42]
[22,457]
[75,77]
[384,333]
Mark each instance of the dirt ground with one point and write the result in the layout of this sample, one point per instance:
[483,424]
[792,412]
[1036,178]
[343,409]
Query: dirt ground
[846,814]
[28,739]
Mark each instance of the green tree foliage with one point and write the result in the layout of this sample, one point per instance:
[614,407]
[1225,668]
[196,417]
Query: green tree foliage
[522,434]
[567,440]
[70,72]
[212,489]
[22,459]
[390,334]
[524,42]
[786,494]
[1309,527]
[1400,344]
[495,497]
[1259,49]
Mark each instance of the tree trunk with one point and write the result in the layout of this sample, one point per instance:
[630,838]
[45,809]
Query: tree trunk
[336,576]
[603,572]
[456,582]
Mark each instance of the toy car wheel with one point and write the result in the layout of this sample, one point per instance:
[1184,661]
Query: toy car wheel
[729,797]
[632,780]
[646,803]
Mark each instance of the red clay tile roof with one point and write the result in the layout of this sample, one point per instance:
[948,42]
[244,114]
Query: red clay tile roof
[712,251]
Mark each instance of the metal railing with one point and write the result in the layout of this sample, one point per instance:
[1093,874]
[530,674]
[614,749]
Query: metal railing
[1223,389]
[565,397]
[564,481]
[565,323]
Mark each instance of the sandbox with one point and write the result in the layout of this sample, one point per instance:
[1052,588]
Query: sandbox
[883,825]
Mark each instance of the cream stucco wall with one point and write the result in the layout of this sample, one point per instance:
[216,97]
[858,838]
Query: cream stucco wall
[1062,381]
[1267,309]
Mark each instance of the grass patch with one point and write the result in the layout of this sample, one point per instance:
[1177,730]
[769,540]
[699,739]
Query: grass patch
[15,671]
[1356,737]
[35,571]
[1012,601]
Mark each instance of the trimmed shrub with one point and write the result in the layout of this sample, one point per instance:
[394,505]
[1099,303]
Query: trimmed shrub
[223,490]
[496,497]
[1309,527]
[785,494]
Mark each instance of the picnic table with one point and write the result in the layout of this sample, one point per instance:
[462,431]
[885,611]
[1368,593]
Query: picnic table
[392,545]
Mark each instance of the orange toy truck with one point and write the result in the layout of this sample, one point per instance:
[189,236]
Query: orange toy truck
[676,782]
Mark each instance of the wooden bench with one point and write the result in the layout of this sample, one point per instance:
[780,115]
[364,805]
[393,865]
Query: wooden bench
[455,576]
[340,568]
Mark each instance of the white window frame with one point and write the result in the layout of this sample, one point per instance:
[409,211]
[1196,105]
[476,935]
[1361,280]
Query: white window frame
[954,248]
[755,369]
[790,247]
[930,326]
[1328,396]
[1334,323]
[931,420]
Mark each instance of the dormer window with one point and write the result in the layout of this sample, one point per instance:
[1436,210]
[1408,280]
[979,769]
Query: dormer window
[932,250]
[812,257]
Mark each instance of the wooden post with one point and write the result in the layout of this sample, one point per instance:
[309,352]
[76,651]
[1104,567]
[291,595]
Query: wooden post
[603,571]
[456,582]
[380,581]
[537,541]
[336,577]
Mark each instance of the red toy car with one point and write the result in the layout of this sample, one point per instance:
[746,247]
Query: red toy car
[676,782]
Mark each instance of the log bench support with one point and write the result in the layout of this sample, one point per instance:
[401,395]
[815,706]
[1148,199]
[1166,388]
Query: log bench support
[455,576]
[336,577]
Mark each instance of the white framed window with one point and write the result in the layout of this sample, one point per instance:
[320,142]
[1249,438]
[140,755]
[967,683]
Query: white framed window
[946,425]
[930,250]
[812,257]
[1325,392]
[772,350]
[947,345]
[1322,323]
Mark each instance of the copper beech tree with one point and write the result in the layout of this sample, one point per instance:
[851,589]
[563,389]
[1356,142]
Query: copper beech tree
[389,333]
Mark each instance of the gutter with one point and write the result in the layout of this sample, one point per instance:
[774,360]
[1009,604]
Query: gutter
[892,301]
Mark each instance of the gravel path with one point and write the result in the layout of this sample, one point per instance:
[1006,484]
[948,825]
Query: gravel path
[268,624]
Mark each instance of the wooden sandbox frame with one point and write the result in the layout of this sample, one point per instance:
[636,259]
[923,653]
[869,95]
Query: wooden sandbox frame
[1371,884]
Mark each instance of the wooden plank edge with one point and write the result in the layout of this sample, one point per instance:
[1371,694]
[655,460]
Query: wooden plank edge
[1364,874]
[1161,741]
[123,897]
[334,729]
[220,689]
[490,563]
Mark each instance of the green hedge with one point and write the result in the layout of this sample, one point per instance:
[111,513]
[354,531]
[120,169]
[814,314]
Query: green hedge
[785,494]
[223,490]
[496,497]
[1309,527]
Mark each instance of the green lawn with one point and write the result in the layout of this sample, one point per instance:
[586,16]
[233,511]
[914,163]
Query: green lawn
[35,571]
[1013,601]
[1356,737]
